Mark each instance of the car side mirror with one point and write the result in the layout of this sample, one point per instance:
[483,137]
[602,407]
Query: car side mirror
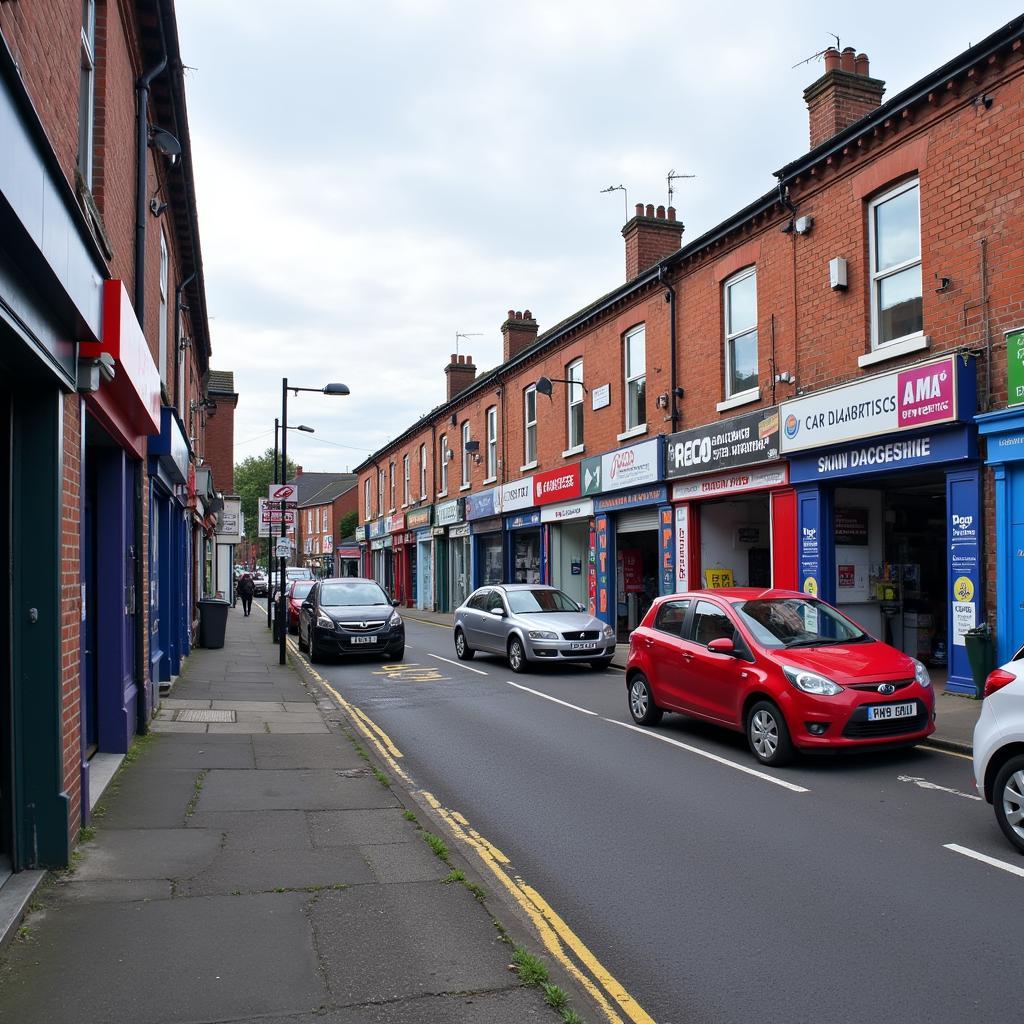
[307,604]
[395,602]
[498,613]
[581,607]
[722,645]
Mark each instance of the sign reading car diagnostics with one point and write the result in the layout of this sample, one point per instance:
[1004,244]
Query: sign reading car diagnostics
[918,396]
[739,441]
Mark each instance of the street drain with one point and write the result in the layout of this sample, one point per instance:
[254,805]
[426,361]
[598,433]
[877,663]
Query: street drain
[195,715]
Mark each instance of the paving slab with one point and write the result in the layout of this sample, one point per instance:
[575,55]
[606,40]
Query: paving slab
[148,853]
[293,728]
[350,828]
[310,714]
[257,830]
[266,870]
[176,751]
[73,890]
[403,862]
[148,798]
[284,751]
[173,703]
[248,705]
[271,789]
[177,727]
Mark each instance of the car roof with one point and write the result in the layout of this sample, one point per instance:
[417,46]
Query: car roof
[734,594]
[518,586]
[345,579]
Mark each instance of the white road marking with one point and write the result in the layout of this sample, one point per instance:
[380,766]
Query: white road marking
[554,700]
[712,757]
[925,784]
[457,664]
[1001,864]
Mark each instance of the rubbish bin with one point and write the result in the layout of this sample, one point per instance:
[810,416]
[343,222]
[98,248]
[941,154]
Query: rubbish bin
[981,655]
[213,621]
[275,608]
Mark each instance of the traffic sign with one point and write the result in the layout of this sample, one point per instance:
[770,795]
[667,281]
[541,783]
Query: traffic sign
[283,548]
[282,492]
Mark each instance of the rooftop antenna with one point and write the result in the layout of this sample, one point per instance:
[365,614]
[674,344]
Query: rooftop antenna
[820,53]
[463,334]
[672,176]
[625,195]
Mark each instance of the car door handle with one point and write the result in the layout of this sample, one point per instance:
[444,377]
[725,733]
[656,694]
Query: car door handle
[687,656]
[648,642]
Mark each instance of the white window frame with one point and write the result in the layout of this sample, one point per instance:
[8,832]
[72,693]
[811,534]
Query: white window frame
[423,471]
[573,400]
[380,492]
[730,335]
[632,378]
[466,467]
[529,427]
[406,479]
[367,506]
[87,92]
[391,485]
[876,277]
[444,465]
[164,272]
[492,444]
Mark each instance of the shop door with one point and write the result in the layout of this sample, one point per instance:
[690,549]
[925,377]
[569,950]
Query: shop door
[6,705]
[636,565]
[90,677]
[459,571]
[1016,581]
[570,543]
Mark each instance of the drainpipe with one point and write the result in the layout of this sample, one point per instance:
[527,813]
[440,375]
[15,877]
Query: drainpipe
[142,127]
[670,298]
[177,337]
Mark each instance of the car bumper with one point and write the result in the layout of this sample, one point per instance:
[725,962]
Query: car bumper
[569,650]
[385,641]
[818,725]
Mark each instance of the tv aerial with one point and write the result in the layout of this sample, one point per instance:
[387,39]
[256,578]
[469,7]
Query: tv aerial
[625,195]
[464,334]
[672,176]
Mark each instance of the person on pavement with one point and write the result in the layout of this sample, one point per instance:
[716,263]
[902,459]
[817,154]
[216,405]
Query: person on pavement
[246,588]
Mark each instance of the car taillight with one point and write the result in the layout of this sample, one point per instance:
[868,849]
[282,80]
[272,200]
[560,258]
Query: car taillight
[996,680]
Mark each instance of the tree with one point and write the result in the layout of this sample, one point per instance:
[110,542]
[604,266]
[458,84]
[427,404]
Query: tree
[348,524]
[252,478]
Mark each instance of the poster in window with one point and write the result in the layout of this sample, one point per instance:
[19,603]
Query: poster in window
[851,526]
[632,571]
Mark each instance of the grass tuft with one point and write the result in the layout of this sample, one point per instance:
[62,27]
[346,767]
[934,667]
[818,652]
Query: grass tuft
[381,778]
[436,843]
[408,815]
[87,833]
[531,969]
[191,808]
[571,1017]
[556,997]
[455,875]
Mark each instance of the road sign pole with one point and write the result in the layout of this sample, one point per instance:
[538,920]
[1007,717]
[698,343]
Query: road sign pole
[283,625]
[270,545]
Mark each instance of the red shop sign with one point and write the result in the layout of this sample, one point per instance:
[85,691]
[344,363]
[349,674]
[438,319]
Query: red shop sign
[557,485]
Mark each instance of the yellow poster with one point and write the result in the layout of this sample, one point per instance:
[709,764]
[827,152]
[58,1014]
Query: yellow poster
[714,579]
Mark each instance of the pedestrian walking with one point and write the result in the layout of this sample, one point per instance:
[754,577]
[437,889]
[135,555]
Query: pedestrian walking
[246,588]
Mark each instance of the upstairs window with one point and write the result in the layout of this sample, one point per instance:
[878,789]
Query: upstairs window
[574,401]
[366,499]
[391,484]
[894,221]
[444,464]
[380,492]
[636,377]
[405,479]
[492,442]
[87,91]
[465,454]
[530,425]
[740,302]
[423,470]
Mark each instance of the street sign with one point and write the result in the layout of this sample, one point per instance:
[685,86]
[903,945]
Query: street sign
[283,547]
[270,518]
[281,492]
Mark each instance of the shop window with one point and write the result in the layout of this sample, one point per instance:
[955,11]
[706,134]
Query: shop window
[405,480]
[492,442]
[574,400]
[465,454]
[423,471]
[444,464]
[636,378]
[530,426]
[87,91]
[894,221]
[740,305]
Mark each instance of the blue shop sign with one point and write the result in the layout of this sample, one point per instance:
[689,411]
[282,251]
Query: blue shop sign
[631,499]
[170,446]
[879,455]
[522,520]
[481,505]
[375,529]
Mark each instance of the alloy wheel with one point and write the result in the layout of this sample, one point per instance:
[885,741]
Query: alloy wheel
[1013,803]
[639,699]
[460,644]
[764,734]
[515,655]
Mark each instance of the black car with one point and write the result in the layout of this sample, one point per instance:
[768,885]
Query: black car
[350,616]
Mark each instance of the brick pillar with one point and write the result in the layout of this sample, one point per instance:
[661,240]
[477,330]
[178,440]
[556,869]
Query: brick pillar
[843,95]
[650,236]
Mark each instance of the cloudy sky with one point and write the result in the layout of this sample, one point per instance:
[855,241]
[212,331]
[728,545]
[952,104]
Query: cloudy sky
[374,177]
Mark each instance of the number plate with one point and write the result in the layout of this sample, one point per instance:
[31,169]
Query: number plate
[583,647]
[884,712]
[363,640]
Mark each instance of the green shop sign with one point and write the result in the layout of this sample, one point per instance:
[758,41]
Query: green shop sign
[1015,366]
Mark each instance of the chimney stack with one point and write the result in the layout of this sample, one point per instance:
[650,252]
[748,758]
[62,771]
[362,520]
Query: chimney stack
[460,373]
[844,94]
[650,236]
[518,332]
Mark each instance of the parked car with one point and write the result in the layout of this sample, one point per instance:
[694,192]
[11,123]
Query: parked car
[527,622]
[298,591]
[790,671]
[260,582]
[350,616]
[999,747]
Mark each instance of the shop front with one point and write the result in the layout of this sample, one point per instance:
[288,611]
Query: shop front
[568,545]
[889,507]
[487,536]
[451,555]
[380,556]
[419,524]
[346,560]
[524,547]
[734,511]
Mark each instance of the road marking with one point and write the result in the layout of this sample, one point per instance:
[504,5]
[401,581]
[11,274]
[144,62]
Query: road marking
[457,664]
[948,753]
[427,622]
[1001,864]
[712,757]
[410,672]
[925,784]
[384,737]
[554,700]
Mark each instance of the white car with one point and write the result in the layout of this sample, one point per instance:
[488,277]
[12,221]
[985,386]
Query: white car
[999,747]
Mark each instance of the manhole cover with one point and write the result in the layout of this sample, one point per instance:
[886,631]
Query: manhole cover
[195,715]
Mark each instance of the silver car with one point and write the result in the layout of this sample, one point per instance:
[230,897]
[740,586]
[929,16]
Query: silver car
[526,622]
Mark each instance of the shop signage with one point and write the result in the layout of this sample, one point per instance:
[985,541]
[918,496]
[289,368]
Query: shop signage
[682,581]
[634,499]
[716,579]
[271,514]
[809,543]
[482,504]
[394,522]
[1015,366]
[230,519]
[328,542]
[459,531]
[449,512]
[492,525]
[437,531]
[375,529]
[581,509]
[522,520]
[851,526]
[418,517]
[517,495]
[283,547]
[600,397]
[602,570]
[171,446]
[632,570]
[964,530]
[348,551]
[857,460]
[380,543]
[360,534]
[739,441]
[666,550]
[919,396]
[625,467]
[556,485]
[755,479]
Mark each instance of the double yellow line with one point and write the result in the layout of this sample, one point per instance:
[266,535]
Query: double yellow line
[558,938]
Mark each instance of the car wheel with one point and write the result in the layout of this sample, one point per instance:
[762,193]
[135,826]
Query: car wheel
[1008,800]
[768,735]
[303,646]
[462,650]
[601,664]
[398,654]
[314,649]
[516,655]
[641,702]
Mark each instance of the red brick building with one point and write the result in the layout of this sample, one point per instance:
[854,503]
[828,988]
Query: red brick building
[787,400]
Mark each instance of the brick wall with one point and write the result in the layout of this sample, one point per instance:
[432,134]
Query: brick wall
[219,444]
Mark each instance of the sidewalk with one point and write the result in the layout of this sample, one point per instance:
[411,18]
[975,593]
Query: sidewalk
[955,714]
[248,865]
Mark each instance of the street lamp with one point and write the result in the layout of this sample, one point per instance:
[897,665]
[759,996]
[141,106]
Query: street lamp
[329,389]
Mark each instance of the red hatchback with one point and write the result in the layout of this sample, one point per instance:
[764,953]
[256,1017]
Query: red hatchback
[787,669]
[298,590]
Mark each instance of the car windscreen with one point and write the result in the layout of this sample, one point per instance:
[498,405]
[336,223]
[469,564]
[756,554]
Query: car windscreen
[342,595]
[527,602]
[301,589]
[797,622]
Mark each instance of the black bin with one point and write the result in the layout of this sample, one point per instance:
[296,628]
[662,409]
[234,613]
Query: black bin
[213,621]
[981,655]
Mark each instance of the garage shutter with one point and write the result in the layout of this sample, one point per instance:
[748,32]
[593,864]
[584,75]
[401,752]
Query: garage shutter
[635,522]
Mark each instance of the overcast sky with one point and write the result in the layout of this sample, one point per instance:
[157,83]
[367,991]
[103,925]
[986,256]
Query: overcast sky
[374,177]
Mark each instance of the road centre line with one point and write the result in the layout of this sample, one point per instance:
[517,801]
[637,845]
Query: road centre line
[1001,864]
[711,757]
[427,622]
[948,753]
[554,700]
[457,664]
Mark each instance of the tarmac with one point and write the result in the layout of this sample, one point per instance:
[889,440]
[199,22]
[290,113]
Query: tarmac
[248,863]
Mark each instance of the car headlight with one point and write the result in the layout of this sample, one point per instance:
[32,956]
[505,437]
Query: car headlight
[921,674]
[811,682]
[395,620]
[609,633]
[324,621]
[542,634]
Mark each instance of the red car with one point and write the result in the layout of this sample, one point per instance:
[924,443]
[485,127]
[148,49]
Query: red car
[788,670]
[297,591]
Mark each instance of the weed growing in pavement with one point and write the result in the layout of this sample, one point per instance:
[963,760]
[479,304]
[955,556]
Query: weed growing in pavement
[87,833]
[555,997]
[571,1017]
[408,815]
[138,747]
[436,843]
[381,778]
[479,893]
[531,969]
[454,875]
[191,808]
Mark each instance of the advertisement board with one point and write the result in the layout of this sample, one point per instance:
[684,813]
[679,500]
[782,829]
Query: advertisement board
[632,466]
[739,441]
[557,485]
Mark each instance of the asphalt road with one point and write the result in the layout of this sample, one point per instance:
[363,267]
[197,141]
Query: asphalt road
[711,889]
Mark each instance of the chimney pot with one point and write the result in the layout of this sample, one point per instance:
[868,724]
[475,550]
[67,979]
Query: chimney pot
[861,64]
[469,360]
[661,213]
[837,100]
[650,237]
[671,213]
[639,209]
[455,358]
[527,315]
[649,212]
[511,313]
[847,59]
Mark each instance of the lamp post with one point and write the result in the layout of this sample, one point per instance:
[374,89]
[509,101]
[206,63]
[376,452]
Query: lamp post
[328,389]
[282,480]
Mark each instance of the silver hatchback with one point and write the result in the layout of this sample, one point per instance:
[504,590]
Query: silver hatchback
[527,622]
